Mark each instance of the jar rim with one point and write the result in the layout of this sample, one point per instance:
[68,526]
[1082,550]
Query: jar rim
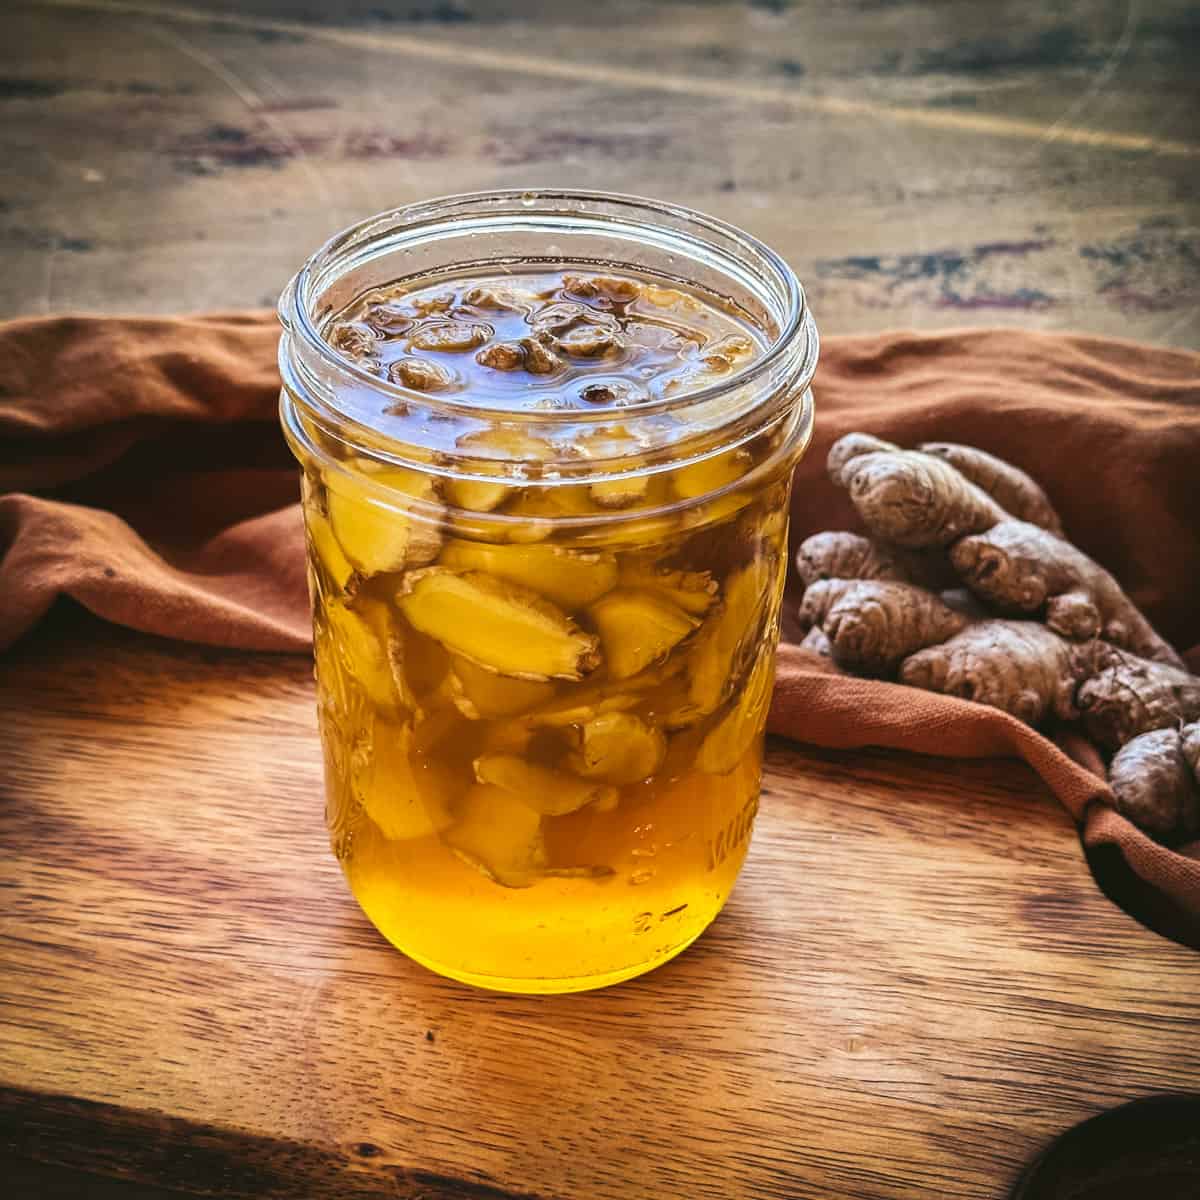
[296,302]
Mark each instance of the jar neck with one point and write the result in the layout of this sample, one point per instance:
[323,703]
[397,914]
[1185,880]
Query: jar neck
[330,400]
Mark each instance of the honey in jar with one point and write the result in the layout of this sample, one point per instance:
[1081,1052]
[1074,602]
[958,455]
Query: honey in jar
[546,505]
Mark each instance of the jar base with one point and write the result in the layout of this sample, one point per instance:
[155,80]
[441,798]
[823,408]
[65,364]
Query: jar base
[549,987]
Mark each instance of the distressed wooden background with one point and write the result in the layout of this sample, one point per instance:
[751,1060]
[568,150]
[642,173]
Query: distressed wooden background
[920,163]
[917,983]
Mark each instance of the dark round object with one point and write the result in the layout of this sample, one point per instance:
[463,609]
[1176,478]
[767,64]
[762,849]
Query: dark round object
[1149,1149]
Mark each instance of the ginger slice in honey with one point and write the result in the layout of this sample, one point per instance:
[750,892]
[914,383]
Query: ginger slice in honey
[670,706]
[495,298]
[726,352]
[619,748]
[615,447]
[327,549]
[450,337]
[483,695]
[638,628]
[693,591]
[572,579]
[620,492]
[497,625]
[477,495]
[589,341]
[419,664]
[499,836]
[495,447]
[506,736]
[506,444]
[420,374]
[375,536]
[609,286]
[549,792]
[557,500]
[712,512]
[708,474]
[576,706]
[439,732]
[405,794]
[735,624]
[360,649]
[727,743]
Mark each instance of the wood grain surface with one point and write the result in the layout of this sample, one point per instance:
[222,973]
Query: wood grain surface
[915,985]
[920,164]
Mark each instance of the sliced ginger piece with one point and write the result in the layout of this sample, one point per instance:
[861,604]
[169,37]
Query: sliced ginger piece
[726,631]
[577,706]
[419,666]
[499,836]
[375,537]
[496,446]
[638,628]
[572,579]
[435,729]
[483,695]
[477,495]
[505,444]
[405,794]
[619,748]
[450,337]
[606,444]
[327,549]
[538,508]
[420,374]
[655,528]
[555,500]
[693,591]
[731,738]
[360,649]
[671,706]
[714,511]
[498,625]
[620,492]
[549,792]
[717,471]
[506,737]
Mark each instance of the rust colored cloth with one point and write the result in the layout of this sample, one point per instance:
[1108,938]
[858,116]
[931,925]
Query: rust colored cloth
[142,473]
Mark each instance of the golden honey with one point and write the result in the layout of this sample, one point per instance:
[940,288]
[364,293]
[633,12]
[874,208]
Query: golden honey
[542,688]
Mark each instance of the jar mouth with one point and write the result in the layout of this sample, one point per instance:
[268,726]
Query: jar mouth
[314,363]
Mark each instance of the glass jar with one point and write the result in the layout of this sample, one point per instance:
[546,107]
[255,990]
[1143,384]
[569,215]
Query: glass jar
[545,636]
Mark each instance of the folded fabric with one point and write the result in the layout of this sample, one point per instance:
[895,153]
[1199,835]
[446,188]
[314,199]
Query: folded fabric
[143,474]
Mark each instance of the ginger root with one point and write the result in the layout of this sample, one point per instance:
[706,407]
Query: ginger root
[1019,567]
[1156,781]
[843,555]
[839,555]
[853,445]
[1017,493]
[1018,666]
[966,602]
[908,498]
[871,604]
[816,642]
[1128,696]
[872,624]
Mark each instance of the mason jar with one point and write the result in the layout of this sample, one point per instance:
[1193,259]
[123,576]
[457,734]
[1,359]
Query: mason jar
[546,442]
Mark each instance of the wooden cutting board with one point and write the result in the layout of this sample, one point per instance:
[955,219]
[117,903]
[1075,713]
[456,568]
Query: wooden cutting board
[915,985]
